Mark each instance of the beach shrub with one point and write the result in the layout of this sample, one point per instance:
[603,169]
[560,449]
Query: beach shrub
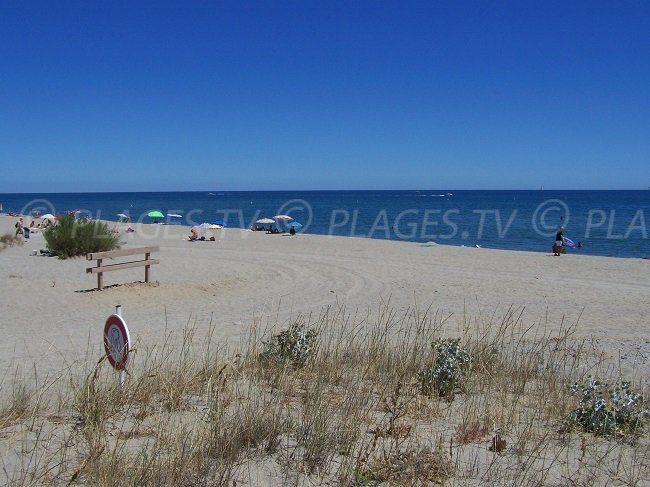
[450,364]
[610,410]
[71,237]
[294,345]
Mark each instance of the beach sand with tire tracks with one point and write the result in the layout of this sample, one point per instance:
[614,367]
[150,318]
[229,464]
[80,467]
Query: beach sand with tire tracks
[51,316]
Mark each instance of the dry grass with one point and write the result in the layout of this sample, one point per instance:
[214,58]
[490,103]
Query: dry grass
[9,240]
[351,414]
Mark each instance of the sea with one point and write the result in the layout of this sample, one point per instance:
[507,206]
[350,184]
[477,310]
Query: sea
[606,223]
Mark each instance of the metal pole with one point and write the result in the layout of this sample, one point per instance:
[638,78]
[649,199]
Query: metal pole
[118,312]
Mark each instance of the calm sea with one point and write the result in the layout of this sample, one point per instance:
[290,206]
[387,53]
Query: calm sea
[609,223]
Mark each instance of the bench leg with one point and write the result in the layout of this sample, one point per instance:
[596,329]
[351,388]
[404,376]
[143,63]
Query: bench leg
[100,276]
[146,268]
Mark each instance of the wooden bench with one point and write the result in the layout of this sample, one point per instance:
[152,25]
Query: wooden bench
[100,256]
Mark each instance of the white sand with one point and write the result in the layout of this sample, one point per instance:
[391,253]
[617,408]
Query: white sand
[46,318]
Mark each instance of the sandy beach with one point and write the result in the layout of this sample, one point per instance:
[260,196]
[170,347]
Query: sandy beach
[52,327]
[51,314]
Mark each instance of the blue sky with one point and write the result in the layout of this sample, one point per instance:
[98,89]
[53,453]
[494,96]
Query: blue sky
[211,95]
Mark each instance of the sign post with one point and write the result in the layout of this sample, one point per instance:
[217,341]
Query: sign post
[117,342]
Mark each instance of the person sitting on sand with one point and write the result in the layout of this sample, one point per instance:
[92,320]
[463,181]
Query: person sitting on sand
[194,235]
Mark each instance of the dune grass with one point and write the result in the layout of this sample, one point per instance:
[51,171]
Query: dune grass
[9,240]
[333,399]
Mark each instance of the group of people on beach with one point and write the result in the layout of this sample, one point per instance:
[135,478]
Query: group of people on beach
[24,230]
[271,230]
[260,228]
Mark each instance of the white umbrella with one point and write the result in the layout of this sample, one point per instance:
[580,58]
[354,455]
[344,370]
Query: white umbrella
[122,215]
[175,215]
[265,220]
[47,216]
[282,217]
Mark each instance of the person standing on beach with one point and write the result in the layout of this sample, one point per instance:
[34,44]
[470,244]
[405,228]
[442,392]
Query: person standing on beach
[557,246]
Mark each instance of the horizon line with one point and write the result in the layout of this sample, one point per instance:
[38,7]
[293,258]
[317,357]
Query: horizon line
[215,192]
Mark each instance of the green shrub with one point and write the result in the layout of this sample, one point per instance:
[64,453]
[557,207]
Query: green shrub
[295,345]
[449,368]
[71,237]
[610,410]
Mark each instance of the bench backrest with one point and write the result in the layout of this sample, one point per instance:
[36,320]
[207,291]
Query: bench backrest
[121,253]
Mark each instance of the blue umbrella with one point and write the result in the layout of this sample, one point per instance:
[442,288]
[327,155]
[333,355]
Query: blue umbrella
[294,224]
[220,222]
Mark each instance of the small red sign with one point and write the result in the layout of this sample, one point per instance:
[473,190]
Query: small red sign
[117,342]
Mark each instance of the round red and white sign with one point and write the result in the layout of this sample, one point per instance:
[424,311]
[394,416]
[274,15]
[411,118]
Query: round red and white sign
[117,342]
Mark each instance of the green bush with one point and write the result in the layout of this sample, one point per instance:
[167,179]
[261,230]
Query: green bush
[295,345]
[71,237]
[610,410]
[449,368]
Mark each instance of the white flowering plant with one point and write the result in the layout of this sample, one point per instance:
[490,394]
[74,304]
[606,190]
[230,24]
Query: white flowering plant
[294,345]
[610,410]
[450,365]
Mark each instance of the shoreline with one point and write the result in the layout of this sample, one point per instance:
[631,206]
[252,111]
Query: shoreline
[4,228]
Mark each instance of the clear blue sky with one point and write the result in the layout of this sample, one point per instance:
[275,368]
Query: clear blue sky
[238,95]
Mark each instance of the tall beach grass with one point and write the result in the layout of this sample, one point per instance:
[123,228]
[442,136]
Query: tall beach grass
[338,403]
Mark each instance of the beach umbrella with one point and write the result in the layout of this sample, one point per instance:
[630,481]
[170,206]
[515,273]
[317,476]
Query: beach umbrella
[282,217]
[48,216]
[174,215]
[265,221]
[294,224]
[220,223]
[215,227]
[203,225]
[155,214]
[122,215]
